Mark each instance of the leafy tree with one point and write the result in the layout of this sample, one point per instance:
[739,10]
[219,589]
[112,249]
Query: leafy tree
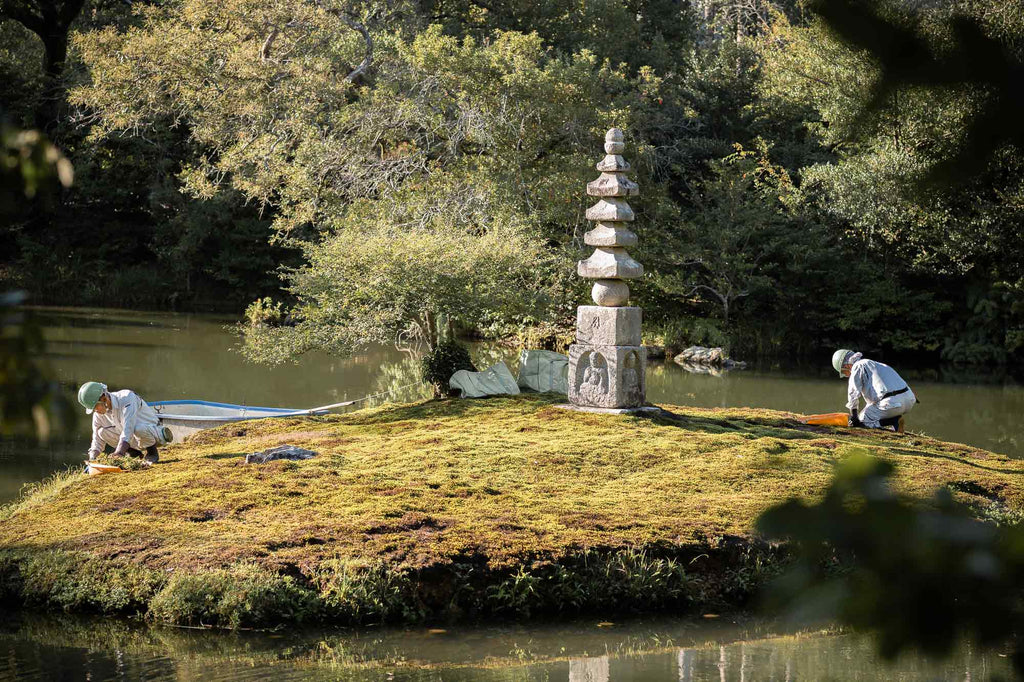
[51,21]
[895,133]
[374,281]
[639,33]
[21,76]
[919,577]
[964,46]
[441,140]
[733,230]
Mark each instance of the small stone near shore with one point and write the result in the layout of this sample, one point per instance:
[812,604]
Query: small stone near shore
[710,357]
[280,452]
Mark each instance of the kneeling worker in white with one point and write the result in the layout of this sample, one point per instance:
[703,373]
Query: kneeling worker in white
[887,395]
[122,420]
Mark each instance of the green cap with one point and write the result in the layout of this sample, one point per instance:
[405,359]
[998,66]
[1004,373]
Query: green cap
[838,357]
[90,393]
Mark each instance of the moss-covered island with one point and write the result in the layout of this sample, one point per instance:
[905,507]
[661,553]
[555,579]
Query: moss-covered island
[452,509]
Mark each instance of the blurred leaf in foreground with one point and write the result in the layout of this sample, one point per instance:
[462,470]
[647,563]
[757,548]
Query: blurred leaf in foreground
[918,577]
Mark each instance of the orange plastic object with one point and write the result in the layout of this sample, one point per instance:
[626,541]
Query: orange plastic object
[96,468]
[830,419]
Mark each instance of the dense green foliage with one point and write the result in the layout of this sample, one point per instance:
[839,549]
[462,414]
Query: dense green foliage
[920,578]
[439,364]
[406,162]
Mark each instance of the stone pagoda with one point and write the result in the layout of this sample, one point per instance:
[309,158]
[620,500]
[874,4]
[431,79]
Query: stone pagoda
[607,363]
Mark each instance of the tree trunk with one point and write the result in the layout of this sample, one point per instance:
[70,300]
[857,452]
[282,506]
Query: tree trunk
[55,45]
[429,330]
[50,20]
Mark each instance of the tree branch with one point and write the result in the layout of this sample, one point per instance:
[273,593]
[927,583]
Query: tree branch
[696,288]
[368,59]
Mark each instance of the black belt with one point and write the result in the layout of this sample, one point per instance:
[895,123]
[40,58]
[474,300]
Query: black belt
[892,393]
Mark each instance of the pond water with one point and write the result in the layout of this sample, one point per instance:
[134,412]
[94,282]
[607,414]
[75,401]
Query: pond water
[166,356]
[58,647]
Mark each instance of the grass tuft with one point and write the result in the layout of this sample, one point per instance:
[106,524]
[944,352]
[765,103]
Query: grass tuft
[41,492]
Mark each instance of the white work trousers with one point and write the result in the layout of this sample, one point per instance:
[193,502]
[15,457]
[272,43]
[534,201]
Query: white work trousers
[141,439]
[893,406]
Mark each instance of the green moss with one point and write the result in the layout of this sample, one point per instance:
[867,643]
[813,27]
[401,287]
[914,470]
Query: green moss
[452,509]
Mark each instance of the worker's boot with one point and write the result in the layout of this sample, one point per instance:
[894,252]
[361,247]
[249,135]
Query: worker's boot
[895,423]
[152,456]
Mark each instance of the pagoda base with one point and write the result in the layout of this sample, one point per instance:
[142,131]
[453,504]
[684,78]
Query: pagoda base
[609,377]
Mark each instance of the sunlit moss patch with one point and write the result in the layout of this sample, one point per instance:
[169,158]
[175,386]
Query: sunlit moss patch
[406,505]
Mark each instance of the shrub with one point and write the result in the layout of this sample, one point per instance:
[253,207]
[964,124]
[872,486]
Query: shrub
[626,580]
[355,592]
[75,581]
[242,596]
[441,363]
[680,334]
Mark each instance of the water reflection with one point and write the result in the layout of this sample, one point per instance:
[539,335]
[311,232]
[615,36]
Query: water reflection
[34,648]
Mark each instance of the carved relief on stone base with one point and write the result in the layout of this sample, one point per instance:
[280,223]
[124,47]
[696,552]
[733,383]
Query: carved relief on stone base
[607,376]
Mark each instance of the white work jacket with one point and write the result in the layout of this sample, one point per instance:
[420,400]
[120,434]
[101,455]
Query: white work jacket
[872,380]
[129,413]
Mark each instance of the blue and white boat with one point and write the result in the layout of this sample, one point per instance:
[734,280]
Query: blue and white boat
[185,417]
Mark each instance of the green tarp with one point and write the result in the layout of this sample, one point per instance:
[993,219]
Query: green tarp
[496,380]
[544,371]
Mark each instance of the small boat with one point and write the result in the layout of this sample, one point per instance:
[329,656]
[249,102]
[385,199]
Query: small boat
[185,417]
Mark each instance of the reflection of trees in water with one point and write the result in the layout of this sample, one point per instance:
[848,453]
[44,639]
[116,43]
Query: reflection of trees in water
[56,645]
[402,381]
[399,382]
[485,355]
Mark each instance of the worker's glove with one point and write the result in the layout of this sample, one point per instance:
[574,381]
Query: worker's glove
[93,455]
[853,420]
[122,449]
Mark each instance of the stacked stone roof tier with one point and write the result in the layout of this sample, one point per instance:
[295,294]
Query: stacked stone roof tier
[610,263]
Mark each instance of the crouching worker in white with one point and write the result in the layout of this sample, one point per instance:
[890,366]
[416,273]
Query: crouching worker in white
[887,395]
[122,420]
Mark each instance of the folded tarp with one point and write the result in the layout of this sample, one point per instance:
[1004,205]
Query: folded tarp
[544,371]
[496,380]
